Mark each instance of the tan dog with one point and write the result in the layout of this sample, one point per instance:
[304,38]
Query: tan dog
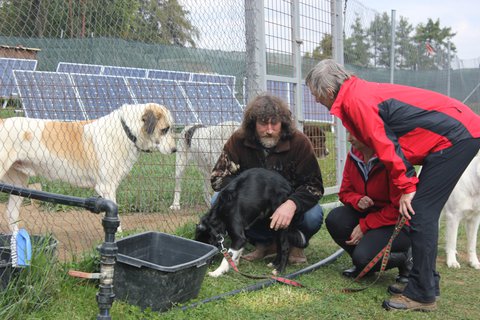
[96,154]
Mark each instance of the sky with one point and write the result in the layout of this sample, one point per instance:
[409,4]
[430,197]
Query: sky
[462,16]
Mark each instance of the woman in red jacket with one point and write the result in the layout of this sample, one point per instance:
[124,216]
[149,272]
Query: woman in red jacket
[364,225]
[406,126]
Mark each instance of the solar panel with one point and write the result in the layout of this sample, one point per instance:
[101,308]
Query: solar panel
[70,67]
[313,111]
[168,75]
[282,90]
[124,71]
[165,92]
[213,102]
[7,81]
[101,95]
[48,95]
[214,78]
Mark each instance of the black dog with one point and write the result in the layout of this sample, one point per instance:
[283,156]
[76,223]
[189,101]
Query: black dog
[252,196]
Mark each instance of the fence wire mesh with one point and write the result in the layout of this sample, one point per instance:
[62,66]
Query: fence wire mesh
[80,60]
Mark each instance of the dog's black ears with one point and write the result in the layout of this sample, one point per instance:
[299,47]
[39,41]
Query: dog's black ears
[149,121]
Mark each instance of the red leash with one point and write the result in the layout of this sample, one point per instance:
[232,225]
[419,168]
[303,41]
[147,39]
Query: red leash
[278,279]
[385,253]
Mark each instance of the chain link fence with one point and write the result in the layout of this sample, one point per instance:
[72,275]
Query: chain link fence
[78,60]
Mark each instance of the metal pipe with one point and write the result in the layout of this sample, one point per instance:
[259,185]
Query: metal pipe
[108,249]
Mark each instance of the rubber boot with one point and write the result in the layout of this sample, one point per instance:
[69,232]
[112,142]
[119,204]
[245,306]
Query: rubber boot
[296,256]
[261,251]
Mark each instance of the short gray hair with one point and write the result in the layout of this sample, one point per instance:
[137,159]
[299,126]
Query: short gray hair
[327,76]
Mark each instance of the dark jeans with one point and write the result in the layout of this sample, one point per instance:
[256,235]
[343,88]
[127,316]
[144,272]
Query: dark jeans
[340,223]
[440,173]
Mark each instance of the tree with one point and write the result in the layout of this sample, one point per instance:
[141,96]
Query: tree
[152,21]
[324,50]
[405,48]
[380,37]
[357,46]
[431,35]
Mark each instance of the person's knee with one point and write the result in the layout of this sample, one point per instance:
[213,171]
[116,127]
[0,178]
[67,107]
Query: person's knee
[313,217]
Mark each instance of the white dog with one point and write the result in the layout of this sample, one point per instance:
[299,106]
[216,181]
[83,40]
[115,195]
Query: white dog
[97,154]
[464,205]
[203,145]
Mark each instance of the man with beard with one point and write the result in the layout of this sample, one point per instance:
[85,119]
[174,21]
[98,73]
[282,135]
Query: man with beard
[268,139]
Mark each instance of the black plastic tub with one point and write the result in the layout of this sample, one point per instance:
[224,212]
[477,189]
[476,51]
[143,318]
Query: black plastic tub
[157,270]
[40,245]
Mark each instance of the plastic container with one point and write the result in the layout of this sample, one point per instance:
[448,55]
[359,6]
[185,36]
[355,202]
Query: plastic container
[39,245]
[157,270]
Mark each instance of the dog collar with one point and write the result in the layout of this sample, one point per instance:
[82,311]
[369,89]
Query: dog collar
[130,135]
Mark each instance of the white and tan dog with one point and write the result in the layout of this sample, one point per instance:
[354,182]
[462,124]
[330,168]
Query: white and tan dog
[202,145]
[96,154]
[464,205]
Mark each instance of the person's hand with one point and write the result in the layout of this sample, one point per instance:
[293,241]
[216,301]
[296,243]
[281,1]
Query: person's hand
[355,237]
[365,202]
[405,206]
[282,217]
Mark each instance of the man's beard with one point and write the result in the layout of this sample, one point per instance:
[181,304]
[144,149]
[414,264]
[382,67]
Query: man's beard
[269,141]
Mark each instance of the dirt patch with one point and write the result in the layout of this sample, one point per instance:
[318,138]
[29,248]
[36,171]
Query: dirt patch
[80,231]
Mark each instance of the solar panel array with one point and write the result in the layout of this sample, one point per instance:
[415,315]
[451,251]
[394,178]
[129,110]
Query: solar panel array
[49,95]
[7,66]
[312,111]
[79,96]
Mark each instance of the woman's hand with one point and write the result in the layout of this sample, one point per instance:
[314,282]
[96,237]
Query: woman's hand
[405,206]
[355,237]
[365,202]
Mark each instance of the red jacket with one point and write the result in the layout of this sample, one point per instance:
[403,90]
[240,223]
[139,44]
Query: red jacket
[403,124]
[378,187]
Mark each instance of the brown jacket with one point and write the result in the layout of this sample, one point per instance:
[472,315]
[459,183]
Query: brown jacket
[293,158]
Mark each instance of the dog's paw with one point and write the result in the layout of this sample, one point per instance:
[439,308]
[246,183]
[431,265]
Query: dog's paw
[475,264]
[275,272]
[453,263]
[271,265]
[214,274]
[175,207]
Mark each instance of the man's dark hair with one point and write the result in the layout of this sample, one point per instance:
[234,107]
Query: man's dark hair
[265,107]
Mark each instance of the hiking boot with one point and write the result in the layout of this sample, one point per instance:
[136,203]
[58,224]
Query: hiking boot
[261,251]
[397,289]
[296,256]
[402,303]
[296,238]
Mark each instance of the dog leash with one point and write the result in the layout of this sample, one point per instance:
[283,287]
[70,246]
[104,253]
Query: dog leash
[283,280]
[384,254]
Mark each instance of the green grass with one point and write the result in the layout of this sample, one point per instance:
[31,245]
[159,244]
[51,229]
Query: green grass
[321,299]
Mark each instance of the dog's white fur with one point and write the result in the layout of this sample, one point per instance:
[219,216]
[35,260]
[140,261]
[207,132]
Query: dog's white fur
[464,205]
[225,265]
[205,148]
[96,154]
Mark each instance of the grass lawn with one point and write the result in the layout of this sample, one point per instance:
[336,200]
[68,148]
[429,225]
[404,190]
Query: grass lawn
[321,299]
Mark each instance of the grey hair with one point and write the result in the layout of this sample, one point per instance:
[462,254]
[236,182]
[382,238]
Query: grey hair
[326,77]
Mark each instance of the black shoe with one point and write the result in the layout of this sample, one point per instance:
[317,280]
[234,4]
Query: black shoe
[296,238]
[405,268]
[351,272]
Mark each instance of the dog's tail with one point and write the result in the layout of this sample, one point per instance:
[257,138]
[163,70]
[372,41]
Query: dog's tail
[189,134]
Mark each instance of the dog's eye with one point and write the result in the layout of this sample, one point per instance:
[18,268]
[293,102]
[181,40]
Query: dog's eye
[165,131]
